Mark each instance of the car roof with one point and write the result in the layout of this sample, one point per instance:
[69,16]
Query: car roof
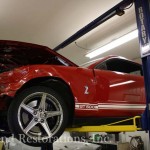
[93,63]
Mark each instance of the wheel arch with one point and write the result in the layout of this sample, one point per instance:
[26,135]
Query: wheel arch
[59,86]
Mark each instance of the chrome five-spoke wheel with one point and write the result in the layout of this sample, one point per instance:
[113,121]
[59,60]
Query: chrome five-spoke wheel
[40,114]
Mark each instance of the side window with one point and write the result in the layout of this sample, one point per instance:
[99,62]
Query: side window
[121,65]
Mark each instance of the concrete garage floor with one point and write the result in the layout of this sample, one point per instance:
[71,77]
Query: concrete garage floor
[57,146]
[64,143]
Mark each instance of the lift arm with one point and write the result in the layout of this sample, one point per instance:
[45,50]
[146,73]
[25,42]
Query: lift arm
[113,127]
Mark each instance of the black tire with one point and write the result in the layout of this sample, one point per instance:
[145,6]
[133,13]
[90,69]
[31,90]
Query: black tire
[42,108]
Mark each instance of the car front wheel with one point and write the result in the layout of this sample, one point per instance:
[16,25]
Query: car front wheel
[37,116]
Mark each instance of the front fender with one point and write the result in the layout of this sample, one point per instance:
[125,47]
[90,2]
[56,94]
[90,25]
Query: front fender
[12,81]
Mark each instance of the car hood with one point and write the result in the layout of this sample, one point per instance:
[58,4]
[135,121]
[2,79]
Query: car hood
[15,54]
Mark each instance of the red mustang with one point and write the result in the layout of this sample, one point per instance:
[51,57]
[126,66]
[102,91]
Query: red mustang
[42,93]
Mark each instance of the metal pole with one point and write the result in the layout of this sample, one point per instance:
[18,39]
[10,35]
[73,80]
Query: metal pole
[142,8]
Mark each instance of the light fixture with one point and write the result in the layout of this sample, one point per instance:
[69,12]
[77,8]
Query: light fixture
[113,44]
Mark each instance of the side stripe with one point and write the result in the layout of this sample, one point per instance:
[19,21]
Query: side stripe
[88,106]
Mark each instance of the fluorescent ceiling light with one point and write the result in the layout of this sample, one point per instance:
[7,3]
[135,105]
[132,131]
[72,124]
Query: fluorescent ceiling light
[113,44]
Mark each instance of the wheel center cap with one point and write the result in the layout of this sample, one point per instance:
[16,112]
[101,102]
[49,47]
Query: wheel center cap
[42,115]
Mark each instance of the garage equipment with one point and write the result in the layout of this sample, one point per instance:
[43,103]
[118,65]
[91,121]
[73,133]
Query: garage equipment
[113,127]
[142,9]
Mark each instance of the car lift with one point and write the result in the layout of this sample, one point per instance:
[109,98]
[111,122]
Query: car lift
[142,9]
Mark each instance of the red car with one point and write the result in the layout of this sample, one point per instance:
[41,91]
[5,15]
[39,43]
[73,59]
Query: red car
[42,93]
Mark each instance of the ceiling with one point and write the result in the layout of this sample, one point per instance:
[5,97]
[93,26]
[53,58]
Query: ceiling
[50,22]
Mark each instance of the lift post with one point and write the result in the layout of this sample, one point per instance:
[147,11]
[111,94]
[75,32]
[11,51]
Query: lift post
[142,8]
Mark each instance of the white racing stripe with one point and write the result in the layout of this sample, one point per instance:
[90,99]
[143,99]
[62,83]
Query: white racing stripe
[101,106]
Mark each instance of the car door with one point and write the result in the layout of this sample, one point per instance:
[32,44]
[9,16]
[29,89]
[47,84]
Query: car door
[120,87]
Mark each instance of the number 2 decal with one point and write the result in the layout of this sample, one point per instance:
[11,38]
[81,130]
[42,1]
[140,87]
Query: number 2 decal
[86,90]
